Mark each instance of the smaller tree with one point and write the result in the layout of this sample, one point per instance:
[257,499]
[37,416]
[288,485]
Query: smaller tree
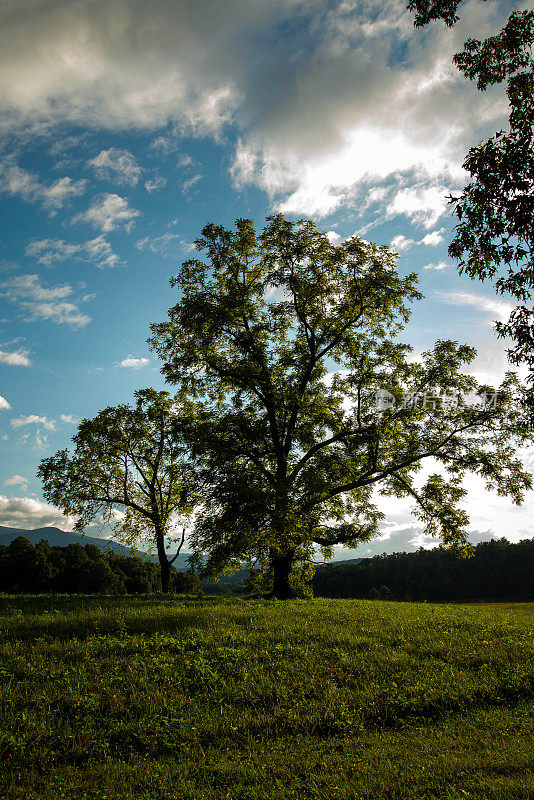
[45,570]
[19,566]
[131,460]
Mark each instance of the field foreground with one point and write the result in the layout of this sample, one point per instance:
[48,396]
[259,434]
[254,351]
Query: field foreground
[182,699]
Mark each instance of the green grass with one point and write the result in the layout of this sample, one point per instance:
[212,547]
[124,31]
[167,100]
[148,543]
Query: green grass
[123,698]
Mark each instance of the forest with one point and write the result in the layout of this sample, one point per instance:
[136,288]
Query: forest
[497,571]
[81,569]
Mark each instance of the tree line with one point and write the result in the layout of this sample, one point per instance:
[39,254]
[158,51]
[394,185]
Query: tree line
[82,569]
[496,571]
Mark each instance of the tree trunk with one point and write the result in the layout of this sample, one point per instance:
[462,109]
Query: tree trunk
[282,563]
[165,569]
[164,565]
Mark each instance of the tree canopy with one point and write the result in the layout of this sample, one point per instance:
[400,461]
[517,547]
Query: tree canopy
[129,459]
[285,347]
[495,235]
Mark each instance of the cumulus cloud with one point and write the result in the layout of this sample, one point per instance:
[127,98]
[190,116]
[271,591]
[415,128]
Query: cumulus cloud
[496,309]
[4,405]
[121,66]
[53,251]
[69,419]
[333,237]
[116,164]
[29,513]
[33,419]
[392,539]
[16,359]
[432,239]
[423,205]
[366,156]
[16,480]
[39,303]
[329,99]
[401,242]
[134,363]
[348,116]
[64,188]
[108,212]
[408,540]
[19,182]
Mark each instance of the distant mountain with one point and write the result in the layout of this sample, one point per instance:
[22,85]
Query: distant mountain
[337,563]
[58,538]
[228,583]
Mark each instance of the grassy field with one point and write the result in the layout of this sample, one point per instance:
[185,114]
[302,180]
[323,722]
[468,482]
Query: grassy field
[186,699]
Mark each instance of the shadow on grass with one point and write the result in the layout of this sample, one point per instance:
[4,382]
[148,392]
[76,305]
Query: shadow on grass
[64,617]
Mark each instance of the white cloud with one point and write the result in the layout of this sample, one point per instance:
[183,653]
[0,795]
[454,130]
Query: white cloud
[17,359]
[162,244]
[366,156]
[330,100]
[406,538]
[29,513]
[33,419]
[441,265]
[99,250]
[490,516]
[19,182]
[108,212]
[115,65]
[69,419]
[154,184]
[134,363]
[497,309]
[432,239]
[37,441]
[52,251]
[333,237]
[4,405]
[60,191]
[190,182]
[118,164]
[186,160]
[16,480]
[39,303]
[423,205]
[164,144]
[400,243]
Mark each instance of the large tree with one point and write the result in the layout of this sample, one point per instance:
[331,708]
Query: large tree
[129,459]
[283,343]
[495,234]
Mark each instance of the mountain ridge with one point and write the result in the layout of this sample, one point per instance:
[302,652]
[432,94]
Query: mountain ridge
[58,538]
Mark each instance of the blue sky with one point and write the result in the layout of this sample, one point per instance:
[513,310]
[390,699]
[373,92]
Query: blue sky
[126,126]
